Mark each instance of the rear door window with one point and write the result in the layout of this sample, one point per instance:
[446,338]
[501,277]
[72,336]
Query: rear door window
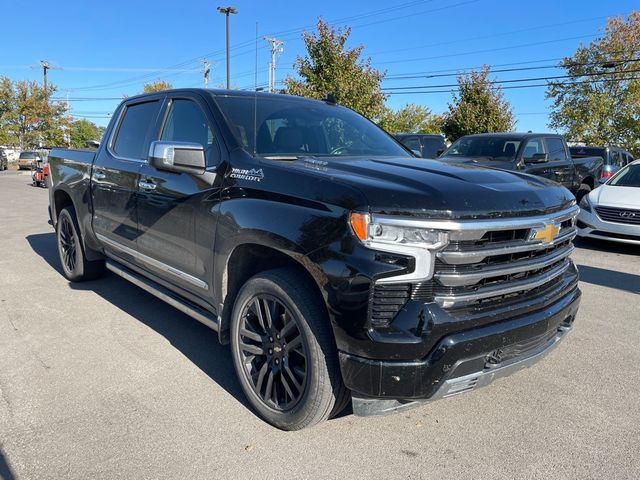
[557,152]
[133,137]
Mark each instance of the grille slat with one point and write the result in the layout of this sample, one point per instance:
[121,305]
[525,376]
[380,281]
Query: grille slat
[501,265]
[619,215]
[386,301]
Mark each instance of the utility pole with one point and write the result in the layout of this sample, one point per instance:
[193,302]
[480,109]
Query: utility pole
[276,48]
[45,67]
[206,69]
[228,11]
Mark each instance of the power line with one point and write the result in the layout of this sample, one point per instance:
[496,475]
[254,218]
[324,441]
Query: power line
[488,50]
[511,87]
[515,80]
[456,72]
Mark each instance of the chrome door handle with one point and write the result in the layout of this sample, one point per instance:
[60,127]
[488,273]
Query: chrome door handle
[98,175]
[146,185]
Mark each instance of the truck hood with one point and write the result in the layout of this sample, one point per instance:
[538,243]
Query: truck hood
[432,189]
[481,161]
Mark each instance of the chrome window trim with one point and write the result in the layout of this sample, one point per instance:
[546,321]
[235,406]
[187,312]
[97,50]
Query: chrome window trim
[154,263]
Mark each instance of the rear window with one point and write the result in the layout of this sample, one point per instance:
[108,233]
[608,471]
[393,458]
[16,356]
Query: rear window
[581,152]
[132,140]
[27,155]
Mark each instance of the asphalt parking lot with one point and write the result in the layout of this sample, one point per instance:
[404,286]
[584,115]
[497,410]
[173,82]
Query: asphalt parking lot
[102,380]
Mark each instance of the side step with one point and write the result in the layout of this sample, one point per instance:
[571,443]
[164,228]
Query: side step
[165,295]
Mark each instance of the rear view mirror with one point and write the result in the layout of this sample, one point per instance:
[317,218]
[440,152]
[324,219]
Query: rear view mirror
[180,157]
[537,158]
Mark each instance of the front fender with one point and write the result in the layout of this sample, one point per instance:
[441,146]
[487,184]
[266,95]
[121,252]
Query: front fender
[295,229]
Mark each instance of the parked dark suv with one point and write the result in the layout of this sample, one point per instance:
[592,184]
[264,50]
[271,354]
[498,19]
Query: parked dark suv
[429,146]
[614,158]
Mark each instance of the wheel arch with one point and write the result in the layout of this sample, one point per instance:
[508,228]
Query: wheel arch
[250,258]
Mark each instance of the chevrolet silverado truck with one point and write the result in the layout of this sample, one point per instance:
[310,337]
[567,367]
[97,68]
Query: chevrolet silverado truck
[542,154]
[339,267]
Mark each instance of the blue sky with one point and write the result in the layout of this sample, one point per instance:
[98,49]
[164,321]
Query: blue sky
[107,50]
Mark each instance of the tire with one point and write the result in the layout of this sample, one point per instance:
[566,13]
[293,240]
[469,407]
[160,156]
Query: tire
[284,352]
[75,266]
[582,191]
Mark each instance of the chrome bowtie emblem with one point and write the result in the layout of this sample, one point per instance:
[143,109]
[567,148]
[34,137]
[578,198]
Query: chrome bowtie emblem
[545,234]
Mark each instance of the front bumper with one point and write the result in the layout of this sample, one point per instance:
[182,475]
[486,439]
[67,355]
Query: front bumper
[460,362]
[591,226]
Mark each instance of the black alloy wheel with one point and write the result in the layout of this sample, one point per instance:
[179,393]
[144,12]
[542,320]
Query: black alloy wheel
[68,244]
[273,352]
[284,352]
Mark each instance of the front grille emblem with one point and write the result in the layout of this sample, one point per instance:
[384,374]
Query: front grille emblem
[627,214]
[546,234]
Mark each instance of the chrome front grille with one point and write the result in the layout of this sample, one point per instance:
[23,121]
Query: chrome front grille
[619,215]
[503,261]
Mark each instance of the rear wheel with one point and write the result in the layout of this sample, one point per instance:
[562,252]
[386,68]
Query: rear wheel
[75,265]
[283,351]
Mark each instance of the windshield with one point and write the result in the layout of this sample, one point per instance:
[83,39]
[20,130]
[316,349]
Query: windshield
[491,148]
[28,155]
[629,176]
[294,127]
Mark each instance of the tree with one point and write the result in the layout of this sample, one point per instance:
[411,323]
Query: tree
[478,107]
[331,68]
[599,102]
[157,86]
[411,118]
[83,131]
[28,117]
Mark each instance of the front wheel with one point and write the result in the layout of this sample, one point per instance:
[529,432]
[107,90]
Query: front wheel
[283,350]
[75,265]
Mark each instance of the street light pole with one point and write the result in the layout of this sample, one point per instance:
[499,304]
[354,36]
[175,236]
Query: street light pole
[228,11]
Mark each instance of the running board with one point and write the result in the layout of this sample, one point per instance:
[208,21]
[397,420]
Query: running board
[165,295]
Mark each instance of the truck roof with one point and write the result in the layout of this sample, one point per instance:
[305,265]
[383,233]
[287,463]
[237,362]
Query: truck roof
[514,135]
[224,92]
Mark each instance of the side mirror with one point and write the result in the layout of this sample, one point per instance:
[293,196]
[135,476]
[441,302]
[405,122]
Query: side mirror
[439,152]
[179,157]
[537,158]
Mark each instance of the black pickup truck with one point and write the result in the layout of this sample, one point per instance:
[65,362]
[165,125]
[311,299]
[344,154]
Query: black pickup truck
[339,267]
[543,154]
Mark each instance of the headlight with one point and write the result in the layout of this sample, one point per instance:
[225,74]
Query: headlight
[585,204]
[402,237]
[394,232]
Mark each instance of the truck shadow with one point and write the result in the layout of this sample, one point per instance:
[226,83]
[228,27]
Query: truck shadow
[605,246]
[195,341]
[627,282]
[5,470]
